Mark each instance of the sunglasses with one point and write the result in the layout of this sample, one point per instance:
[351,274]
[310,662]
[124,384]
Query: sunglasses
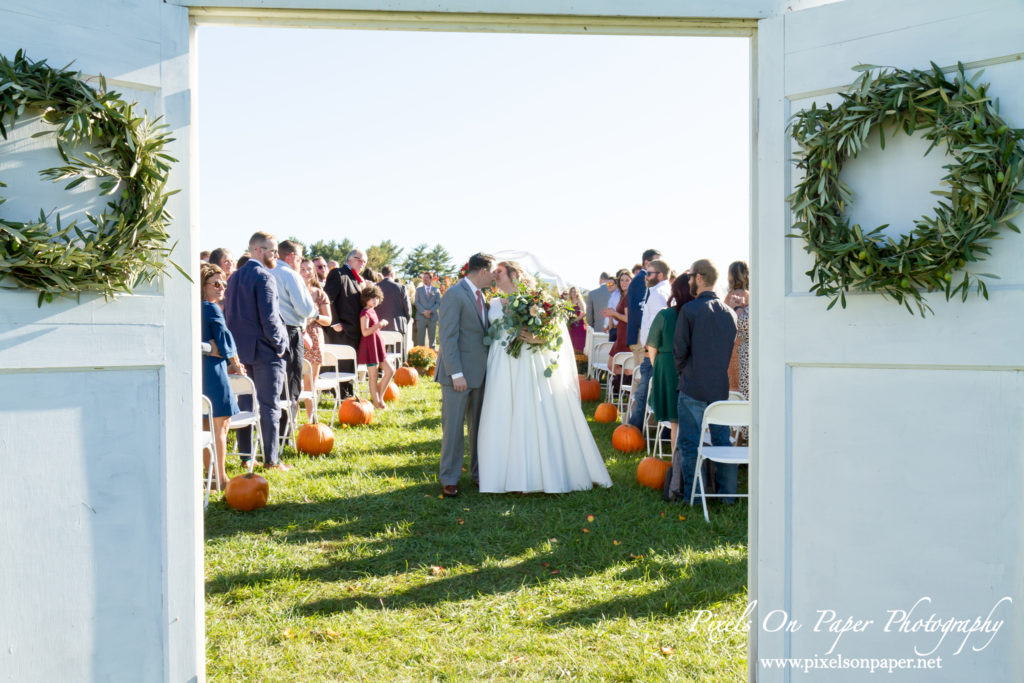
[218,284]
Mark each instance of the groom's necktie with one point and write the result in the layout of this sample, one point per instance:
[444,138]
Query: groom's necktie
[480,303]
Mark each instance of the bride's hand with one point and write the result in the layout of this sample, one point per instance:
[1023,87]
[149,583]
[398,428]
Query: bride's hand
[529,338]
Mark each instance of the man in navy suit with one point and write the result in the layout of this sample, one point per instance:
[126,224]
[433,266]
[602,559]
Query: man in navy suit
[254,318]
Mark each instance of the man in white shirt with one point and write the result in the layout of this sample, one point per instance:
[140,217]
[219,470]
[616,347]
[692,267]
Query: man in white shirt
[658,293]
[296,306]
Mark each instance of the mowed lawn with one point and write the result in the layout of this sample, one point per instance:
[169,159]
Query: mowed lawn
[358,571]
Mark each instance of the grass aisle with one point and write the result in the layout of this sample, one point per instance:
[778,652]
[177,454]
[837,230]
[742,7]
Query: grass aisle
[358,571]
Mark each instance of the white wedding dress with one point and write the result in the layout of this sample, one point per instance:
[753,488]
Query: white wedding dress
[533,435]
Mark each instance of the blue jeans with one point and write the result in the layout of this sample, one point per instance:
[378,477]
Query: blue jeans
[269,379]
[640,394]
[691,415]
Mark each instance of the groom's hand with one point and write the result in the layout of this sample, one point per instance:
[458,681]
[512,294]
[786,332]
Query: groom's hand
[459,383]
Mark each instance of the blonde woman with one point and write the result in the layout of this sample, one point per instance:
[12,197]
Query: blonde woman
[314,328]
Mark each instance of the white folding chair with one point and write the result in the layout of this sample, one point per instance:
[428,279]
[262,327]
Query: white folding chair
[208,441]
[393,342]
[599,359]
[729,414]
[333,379]
[625,361]
[653,429]
[310,394]
[242,385]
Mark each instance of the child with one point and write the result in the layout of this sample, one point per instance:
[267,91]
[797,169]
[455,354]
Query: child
[371,346]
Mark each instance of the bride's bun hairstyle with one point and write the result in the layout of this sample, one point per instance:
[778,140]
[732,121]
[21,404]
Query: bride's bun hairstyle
[516,273]
[479,261]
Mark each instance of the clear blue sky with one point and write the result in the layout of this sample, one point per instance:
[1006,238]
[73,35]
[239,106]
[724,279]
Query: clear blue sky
[585,150]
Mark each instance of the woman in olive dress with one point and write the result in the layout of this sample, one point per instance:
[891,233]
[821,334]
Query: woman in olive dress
[664,393]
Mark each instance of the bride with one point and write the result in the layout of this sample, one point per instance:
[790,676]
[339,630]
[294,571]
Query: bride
[532,435]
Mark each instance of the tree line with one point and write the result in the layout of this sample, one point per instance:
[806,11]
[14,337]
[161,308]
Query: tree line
[422,257]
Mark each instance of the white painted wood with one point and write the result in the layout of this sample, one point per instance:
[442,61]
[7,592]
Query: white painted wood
[888,446]
[571,23]
[101,568]
[714,9]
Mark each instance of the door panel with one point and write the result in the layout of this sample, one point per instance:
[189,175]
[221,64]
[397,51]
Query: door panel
[889,446]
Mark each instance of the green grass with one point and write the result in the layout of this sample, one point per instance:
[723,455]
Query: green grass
[358,571]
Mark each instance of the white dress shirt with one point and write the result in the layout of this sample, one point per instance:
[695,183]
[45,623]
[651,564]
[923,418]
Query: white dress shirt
[657,299]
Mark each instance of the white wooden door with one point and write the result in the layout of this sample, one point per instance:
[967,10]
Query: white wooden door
[100,526]
[889,446]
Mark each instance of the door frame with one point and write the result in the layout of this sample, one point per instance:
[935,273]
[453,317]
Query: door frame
[709,18]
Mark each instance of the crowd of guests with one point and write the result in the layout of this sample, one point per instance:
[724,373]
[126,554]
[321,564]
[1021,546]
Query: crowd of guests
[689,348]
[273,308]
[266,313]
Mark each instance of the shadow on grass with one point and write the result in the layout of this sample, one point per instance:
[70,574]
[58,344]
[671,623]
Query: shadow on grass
[407,530]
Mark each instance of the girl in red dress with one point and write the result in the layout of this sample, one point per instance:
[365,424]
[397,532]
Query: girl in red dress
[371,346]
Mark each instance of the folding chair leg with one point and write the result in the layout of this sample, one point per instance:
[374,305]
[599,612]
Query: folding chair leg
[209,472]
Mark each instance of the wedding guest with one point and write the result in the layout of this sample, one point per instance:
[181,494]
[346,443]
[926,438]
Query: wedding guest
[395,308]
[314,328]
[620,315]
[342,287]
[221,257]
[254,318]
[331,265]
[371,275]
[658,293]
[219,364]
[614,295]
[737,299]
[296,306]
[321,268]
[578,321]
[635,296]
[242,261]
[597,301]
[371,346]
[705,330]
[664,396]
[204,256]
[428,300]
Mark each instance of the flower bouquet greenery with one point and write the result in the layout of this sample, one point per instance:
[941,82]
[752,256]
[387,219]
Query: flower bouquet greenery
[537,312]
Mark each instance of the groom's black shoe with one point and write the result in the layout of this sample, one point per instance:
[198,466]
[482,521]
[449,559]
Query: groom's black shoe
[449,491]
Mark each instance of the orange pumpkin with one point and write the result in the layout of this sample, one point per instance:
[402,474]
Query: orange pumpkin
[628,439]
[315,439]
[606,412]
[355,411]
[590,389]
[651,472]
[247,492]
[406,376]
[391,393]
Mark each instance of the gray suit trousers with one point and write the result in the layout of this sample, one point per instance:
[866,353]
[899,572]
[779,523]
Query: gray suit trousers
[459,408]
[426,331]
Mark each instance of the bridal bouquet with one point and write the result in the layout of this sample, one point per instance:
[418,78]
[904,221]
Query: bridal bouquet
[539,312]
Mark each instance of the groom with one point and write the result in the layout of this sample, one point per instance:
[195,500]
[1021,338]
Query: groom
[461,366]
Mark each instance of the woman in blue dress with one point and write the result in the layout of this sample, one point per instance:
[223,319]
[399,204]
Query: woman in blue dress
[216,366]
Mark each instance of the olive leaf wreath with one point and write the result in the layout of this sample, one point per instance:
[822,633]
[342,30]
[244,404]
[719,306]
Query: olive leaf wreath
[126,244]
[981,188]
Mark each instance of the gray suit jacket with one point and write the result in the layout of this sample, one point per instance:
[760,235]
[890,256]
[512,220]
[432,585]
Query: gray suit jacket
[597,301]
[427,302]
[461,336]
